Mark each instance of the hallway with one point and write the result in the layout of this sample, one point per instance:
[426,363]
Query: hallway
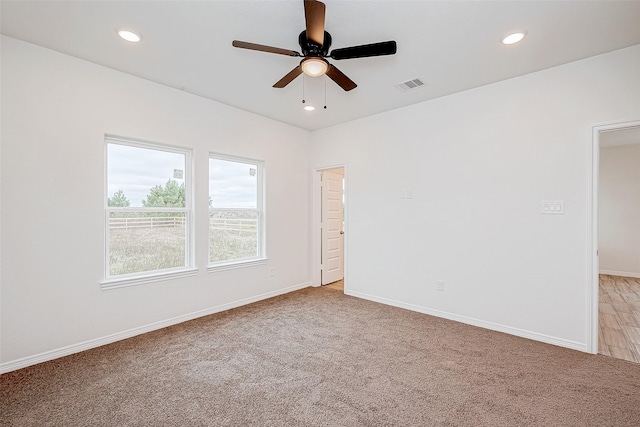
[619,317]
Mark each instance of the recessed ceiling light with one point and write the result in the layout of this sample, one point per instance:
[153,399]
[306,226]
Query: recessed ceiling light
[514,37]
[130,36]
[309,108]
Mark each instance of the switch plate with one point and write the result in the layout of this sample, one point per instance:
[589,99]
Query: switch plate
[272,271]
[439,285]
[406,194]
[552,207]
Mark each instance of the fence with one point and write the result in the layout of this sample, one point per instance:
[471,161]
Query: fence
[228,224]
[234,224]
[145,222]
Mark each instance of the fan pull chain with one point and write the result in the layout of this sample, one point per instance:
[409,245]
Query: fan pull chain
[303,101]
[325,91]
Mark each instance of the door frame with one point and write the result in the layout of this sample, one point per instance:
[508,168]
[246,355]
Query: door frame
[593,262]
[316,239]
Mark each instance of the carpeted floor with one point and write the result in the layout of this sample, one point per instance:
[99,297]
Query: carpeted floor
[316,357]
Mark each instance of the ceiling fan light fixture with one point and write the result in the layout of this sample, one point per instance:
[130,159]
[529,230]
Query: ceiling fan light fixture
[130,36]
[314,66]
[514,37]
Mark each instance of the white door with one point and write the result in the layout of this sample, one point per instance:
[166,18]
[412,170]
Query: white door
[332,233]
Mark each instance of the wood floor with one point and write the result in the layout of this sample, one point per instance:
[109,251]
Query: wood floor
[619,317]
[339,285]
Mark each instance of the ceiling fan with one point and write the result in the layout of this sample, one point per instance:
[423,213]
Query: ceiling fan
[315,43]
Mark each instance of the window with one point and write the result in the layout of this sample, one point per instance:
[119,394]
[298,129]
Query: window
[236,218]
[147,210]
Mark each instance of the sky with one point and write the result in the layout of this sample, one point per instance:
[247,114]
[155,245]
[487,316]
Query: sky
[232,184]
[136,170]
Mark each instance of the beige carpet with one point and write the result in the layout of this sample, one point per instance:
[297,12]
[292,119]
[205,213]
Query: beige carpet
[319,358]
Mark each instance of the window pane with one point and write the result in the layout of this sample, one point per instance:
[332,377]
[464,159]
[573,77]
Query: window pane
[140,177]
[233,184]
[233,234]
[140,242]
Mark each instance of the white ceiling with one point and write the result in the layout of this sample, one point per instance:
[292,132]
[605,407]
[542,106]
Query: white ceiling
[451,45]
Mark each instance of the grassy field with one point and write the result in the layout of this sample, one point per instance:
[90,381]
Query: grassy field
[232,235]
[145,249]
[136,250]
[230,244]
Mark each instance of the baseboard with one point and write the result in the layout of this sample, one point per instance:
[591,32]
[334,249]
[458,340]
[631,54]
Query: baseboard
[620,273]
[86,345]
[475,322]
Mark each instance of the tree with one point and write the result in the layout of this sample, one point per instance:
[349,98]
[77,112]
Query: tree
[118,200]
[169,196]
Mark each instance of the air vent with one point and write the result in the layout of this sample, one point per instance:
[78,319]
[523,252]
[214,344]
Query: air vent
[411,84]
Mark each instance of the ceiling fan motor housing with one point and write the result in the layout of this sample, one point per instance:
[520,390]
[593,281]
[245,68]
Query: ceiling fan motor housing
[311,48]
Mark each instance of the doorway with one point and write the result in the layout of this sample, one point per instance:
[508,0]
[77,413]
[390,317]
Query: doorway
[616,241]
[329,238]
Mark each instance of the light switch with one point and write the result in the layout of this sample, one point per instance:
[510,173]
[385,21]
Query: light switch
[552,207]
[406,194]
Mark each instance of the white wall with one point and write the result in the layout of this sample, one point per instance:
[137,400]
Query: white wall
[619,210]
[478,164]
[55,112]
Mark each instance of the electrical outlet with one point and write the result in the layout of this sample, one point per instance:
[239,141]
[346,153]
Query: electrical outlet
[439,285]
[272,271]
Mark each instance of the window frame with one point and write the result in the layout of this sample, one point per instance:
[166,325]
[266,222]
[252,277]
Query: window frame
[188,268]
[261,257]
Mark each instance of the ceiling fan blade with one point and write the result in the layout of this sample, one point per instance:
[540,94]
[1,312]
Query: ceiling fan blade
[365,50]
[314,12]
[343,81]
[263,48]
[288,78]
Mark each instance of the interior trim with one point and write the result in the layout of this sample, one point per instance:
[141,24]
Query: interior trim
[574,345]
[108,339]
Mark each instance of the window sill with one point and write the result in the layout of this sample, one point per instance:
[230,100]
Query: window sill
[232,265]
[140,280]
